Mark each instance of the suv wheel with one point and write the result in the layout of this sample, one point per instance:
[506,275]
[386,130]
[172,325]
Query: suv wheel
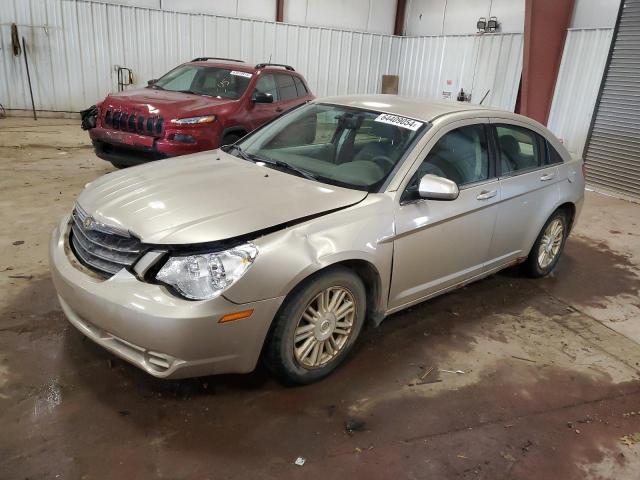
[317,326]
[230,138]
[548,247]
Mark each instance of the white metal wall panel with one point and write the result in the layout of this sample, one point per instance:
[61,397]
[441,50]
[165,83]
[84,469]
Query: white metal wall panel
[431,66]
[583,61]
[75,45]
[73,60]
[613,151]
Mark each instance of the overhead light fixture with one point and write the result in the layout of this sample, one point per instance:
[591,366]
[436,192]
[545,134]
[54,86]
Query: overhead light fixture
[492,24]
[482,25]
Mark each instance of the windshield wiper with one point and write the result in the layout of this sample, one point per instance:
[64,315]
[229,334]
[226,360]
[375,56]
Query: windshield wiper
[188,91]
[293,168]
[252,157]
[246,156]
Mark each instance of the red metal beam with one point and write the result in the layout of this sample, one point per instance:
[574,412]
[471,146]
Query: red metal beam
[280,11]
[401,8]
[545,29]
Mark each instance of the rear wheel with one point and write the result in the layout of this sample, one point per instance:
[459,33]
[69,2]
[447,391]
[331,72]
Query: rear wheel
[317,326]
[548,247]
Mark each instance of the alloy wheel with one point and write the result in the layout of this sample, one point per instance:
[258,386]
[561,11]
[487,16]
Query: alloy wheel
[550,243]
[324,328]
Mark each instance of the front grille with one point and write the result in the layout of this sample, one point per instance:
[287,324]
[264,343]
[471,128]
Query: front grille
[103,249]
[130,122]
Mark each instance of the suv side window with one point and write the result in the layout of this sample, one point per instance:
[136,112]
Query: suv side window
[267,84]
[300,88]
[520,149]
[460,155]
[286,86]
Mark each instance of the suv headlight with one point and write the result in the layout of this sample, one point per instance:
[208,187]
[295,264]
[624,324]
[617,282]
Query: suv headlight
[206,276]
[194,120]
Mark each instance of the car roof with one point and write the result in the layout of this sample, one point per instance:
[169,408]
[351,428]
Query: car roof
[412,107]
[241,66]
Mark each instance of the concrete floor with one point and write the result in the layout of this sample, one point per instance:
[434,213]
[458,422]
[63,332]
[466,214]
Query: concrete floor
[551,388]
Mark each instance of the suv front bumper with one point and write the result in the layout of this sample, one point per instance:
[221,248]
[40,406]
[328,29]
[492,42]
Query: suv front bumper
[127,148]
[148,326]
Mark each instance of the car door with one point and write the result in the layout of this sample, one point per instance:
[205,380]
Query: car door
[529,185]
[263,112]
[288,91]
[439,244]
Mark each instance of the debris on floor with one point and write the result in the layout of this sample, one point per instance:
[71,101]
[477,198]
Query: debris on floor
[353,425]
[630,439]
[300,461]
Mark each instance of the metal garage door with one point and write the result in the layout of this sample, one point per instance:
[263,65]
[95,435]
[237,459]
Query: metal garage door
[613,149]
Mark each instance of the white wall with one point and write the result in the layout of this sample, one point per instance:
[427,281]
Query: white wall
[257,9]
[459,17]
[361,15]
[595,13]
[376,16]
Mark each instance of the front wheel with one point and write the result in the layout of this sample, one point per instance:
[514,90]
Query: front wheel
[317,326]
[548,247]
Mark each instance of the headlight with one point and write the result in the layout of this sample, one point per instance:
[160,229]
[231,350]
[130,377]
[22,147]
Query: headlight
[203,277]
[194,120]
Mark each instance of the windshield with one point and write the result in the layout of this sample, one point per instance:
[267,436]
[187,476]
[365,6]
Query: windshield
[200,80]
[339,145]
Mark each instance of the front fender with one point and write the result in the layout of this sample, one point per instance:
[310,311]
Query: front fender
[289,256]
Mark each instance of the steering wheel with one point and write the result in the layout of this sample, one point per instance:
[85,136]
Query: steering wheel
[384,162]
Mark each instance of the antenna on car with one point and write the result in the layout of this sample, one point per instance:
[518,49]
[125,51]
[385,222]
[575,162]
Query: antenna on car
[485,96]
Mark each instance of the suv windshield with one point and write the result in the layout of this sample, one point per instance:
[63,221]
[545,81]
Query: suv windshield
[339,145]
[200,80]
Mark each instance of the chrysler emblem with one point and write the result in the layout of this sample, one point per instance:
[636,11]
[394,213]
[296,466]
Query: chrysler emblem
[89,223]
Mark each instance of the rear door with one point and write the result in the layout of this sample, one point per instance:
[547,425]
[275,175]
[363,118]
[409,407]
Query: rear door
[288,91]
[442,243]
[529,184]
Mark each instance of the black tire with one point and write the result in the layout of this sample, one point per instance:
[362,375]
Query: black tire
[531,267]
[230,138]
[279,349]
[119,165]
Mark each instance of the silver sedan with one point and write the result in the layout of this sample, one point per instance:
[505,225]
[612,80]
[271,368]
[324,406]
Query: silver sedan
[283,245]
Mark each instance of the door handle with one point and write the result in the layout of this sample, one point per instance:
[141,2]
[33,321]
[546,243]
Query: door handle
[279,109]
[487,194]
[547,176]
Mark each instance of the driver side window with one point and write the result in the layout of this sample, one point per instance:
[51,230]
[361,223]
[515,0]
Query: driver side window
[460,155]
[267,84]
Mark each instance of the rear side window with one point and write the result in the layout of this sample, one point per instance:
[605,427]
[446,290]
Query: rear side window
[553,156]
[267,84]
[286,86]
[300,88]
[520,149]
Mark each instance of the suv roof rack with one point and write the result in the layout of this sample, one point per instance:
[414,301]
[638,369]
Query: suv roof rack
[204,59]
[262,65]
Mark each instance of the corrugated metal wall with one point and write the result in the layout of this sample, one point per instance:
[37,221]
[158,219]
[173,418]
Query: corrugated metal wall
[583,61]
[612,155]
[436,66]
[74,46]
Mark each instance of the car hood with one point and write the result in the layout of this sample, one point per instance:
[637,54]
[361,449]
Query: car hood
[147,101]
[206,197]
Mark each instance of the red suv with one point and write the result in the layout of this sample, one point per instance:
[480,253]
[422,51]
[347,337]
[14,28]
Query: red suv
[197,106]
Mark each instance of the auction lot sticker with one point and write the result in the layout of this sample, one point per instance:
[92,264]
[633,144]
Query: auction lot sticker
[242,74]
[398,121]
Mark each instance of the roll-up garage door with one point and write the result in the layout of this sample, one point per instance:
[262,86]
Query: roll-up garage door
[613,150]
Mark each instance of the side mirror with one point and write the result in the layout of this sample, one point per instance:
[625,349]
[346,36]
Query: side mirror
[152,81]
[260,97]
[437,188]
